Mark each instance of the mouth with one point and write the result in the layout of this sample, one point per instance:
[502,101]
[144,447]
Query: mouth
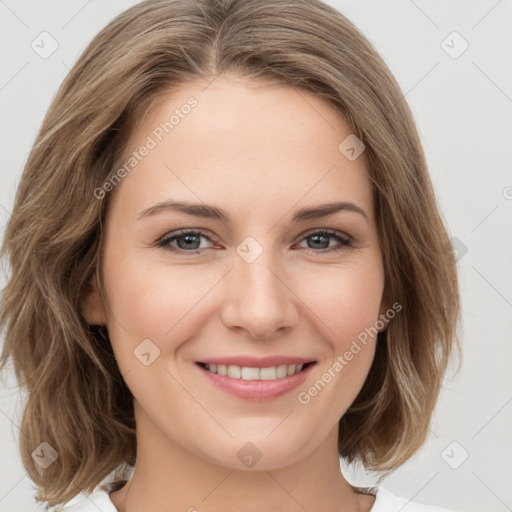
[268,373]
[259,382]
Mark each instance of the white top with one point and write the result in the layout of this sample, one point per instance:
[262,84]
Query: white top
[385,501]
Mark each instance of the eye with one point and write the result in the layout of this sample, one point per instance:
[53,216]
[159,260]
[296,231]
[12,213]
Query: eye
[321,239]
[186,239]
[189,241]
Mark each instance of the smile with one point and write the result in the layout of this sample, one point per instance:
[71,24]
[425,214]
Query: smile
[251,373]
[257,384]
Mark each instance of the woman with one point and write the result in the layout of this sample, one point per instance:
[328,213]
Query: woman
[312,317]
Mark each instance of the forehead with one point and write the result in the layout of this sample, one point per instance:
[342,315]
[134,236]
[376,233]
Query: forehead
[245,142]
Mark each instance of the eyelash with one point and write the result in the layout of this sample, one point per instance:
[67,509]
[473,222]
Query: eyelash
[345,241]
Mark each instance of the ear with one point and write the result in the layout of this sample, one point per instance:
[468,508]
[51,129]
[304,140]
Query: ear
[91,305]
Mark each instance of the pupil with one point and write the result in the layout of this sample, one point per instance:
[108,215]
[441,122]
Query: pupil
[188,238]
[314,238]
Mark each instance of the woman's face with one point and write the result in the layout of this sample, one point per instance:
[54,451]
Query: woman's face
[253,281]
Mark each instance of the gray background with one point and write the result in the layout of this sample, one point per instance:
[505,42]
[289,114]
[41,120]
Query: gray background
[462,103]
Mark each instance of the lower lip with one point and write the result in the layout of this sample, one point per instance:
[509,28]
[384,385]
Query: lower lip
[257,389]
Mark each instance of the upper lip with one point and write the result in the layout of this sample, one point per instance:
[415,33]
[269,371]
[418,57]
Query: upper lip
[256,362]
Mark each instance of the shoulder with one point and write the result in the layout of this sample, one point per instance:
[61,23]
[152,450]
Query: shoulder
[99,499]
[386,501]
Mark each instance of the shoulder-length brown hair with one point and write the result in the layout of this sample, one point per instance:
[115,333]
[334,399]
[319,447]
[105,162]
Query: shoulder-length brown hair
[77,400]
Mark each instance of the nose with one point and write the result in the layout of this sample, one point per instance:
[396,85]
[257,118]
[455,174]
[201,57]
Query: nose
[257,298]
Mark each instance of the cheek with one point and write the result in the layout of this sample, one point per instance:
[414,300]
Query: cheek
[345,300]
[346,303]
[154,301]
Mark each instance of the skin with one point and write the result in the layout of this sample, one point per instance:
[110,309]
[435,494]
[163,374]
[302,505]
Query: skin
[260,152]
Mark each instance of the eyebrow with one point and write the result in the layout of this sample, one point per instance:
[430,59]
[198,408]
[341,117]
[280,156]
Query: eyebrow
[212,212]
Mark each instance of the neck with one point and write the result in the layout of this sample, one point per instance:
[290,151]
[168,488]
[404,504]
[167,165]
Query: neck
[169,478]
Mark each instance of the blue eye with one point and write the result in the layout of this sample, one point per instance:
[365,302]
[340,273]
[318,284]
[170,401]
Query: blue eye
[186,239]
[189,241]
[320,238]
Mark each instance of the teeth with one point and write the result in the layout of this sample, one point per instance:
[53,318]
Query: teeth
[247,373]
